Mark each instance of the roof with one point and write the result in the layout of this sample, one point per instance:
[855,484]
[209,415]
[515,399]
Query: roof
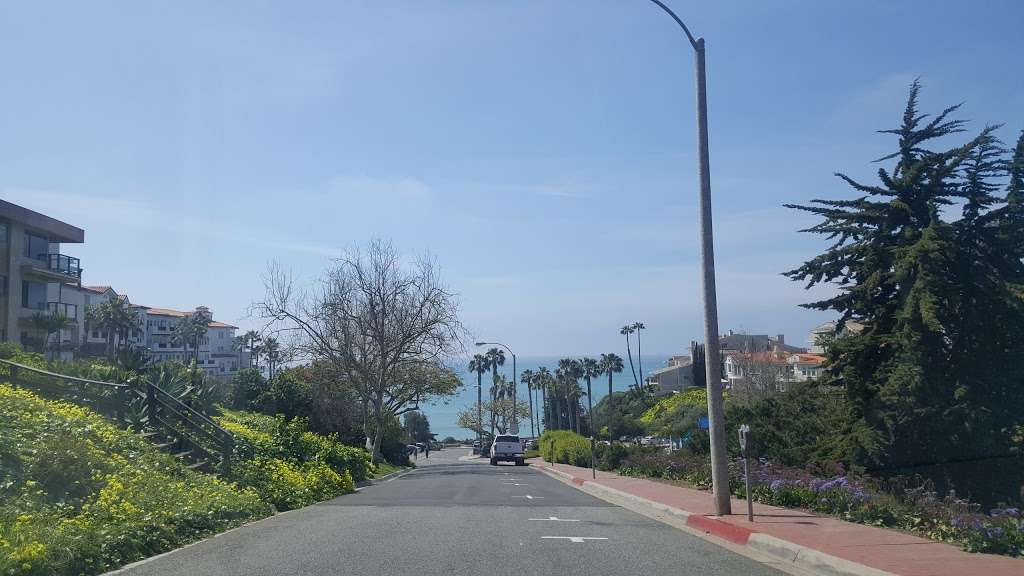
[98,289]
[806,358]
[179,314]
[760,357]
[56,230]
[753,343]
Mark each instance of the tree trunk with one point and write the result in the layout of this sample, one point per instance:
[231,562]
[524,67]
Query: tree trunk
[529,395]
[608,411]
[629,352]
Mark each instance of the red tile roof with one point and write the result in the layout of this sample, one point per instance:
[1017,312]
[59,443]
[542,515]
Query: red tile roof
[97,289]
[808,358]
[179,314]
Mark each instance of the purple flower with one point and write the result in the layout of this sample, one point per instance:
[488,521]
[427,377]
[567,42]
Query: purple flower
[777,485]
[994,532]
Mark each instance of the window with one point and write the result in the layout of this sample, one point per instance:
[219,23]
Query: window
[3,232]
[33,295]
[3,285]
[36,246]
[162,345]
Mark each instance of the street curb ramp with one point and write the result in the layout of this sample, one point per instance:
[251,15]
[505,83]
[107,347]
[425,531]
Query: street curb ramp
[803,557]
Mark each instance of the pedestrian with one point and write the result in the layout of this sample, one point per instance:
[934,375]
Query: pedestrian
[426,450]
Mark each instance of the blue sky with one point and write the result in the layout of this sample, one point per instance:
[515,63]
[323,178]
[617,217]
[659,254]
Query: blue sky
[542,151]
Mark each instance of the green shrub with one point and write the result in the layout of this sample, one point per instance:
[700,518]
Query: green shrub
[80,496]
[565,447]
[277,438]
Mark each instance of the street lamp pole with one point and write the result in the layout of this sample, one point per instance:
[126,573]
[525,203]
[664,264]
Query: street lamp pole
[515,397]
[716,417]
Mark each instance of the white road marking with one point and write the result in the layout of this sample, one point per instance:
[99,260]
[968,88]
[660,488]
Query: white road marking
[553,518]
[528,497]
[515,484]
[576,539]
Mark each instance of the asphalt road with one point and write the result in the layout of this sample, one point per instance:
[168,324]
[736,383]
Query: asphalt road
[456,518]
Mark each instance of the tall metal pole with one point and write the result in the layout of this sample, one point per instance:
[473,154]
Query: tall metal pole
[713,378]
[480,415]
[515,397]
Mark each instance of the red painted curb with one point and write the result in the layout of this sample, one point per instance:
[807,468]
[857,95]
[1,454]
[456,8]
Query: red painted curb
[578,481]
[721,529]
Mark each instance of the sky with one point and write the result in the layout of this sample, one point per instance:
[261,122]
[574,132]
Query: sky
[541,151]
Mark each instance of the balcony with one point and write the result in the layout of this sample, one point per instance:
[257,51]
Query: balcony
[69,310]
[57,267]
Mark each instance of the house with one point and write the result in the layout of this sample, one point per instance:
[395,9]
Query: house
[821,334]
[769,371]
[32,273]
[747,343]
[805,366]
[676,375]
[217,356]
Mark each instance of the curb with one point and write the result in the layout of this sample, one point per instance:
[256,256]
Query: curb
[809,559]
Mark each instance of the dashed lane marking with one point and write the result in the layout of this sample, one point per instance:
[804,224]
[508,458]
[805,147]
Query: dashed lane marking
[528,497]
[553,519]
[577,539]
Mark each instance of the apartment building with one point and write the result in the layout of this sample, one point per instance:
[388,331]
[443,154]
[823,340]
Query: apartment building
[218,355]
[33,274]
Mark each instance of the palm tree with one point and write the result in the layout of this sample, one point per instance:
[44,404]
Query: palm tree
[272,350]
[249,342]
[571,372]
[50,324]
[627,330]
[495,358]
[190,331]
[527,377]
[590,369]
[638,326]
[611,363]
[479,364]
[114,318]
[544,378]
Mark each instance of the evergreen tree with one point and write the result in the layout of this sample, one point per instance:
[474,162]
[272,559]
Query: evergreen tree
[925,371]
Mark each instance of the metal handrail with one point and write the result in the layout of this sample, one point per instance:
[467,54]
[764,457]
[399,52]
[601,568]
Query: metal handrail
[156,400]
[63,377]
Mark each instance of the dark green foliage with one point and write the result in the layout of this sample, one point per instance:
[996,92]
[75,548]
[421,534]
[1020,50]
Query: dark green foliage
[286,393]
[248,384]
[417,426]
[926,260]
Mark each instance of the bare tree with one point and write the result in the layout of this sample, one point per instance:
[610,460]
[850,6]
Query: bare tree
[384,325]
[759,375]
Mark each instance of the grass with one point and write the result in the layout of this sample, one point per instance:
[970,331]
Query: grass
[384,468]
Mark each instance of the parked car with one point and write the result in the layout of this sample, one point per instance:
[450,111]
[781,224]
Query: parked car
[507,448]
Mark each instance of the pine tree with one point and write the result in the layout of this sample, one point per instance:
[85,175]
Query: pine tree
[908,275]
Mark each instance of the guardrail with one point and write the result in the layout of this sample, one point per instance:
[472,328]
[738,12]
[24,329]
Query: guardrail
[191,431]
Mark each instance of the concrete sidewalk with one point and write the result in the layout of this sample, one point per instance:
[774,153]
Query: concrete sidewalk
[819,543]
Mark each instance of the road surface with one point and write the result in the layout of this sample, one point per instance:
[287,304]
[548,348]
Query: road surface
[456,518]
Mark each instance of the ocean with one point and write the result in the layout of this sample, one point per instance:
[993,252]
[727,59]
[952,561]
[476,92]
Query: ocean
[443,414]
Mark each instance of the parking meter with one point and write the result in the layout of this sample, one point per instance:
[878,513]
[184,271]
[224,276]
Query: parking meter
[744,433]
[744,440]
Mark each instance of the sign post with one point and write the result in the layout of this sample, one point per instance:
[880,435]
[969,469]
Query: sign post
[744,434]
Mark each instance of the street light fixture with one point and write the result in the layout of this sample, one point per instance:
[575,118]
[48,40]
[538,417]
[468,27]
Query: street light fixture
[716,418]
[515,397]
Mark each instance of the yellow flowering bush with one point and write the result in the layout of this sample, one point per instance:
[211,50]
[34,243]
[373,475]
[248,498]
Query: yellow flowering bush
[289,466]
[78,495]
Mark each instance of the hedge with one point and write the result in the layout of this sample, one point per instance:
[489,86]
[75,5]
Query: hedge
[79,495]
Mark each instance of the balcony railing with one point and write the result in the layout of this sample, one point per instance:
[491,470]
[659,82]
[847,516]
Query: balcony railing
[68,265]
[69,310]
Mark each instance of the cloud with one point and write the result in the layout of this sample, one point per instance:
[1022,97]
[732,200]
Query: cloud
[366,187]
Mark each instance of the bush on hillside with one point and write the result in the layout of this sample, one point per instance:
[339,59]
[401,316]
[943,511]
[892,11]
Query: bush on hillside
[289,465]
[565,447]
[80,496]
